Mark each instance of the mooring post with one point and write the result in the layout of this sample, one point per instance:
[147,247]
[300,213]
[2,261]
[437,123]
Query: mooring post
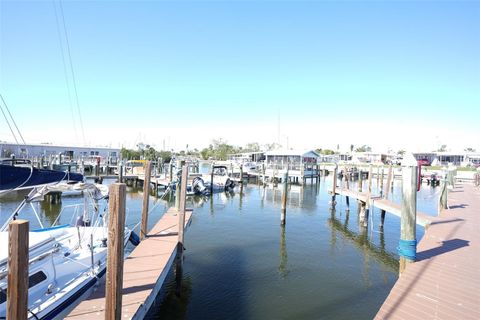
[389,182]
[180,164]
[182,206]
[360,181]
[146,195]
[334,188]
[283,216]
[116,228]
[17,278]
[241,174]
[181,228]
[211,178]
[443,204]
[381,182]
[385,195]
[120,173]
[263,173]
[366,207]
[407,248]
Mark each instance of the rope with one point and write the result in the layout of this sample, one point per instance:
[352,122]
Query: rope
[65,71]
[73,73]
[13,120]
[407,249]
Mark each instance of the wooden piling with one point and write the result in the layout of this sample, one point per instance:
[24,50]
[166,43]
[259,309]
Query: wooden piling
[211,178]
[180,164]
[283,216]
[116,228]
[334,188]
[370,172]
[382,217]
[346,178]
[389,182]
[263,173]
[146,195]
[360,181]
[120,173]
[182,206]
[366,207]
[17,278]
[407,247]
[381,182]
[443,204]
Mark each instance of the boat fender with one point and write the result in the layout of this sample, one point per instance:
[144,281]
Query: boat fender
[134,238]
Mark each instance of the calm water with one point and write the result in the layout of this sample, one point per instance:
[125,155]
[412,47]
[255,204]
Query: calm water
[241,264]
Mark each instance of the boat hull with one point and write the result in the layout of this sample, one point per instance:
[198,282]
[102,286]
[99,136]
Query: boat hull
[16,178]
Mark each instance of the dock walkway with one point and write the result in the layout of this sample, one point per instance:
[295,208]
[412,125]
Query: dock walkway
[423,219]
[444,283]
[145,270]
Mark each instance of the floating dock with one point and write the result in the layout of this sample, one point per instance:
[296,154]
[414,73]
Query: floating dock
[145,270]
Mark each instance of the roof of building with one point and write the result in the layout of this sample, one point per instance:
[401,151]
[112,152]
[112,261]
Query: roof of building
[304,153]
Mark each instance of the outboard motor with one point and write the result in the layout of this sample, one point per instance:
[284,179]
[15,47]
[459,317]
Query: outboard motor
[198,186]
[229,184]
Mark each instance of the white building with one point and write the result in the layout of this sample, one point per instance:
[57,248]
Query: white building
[31,151]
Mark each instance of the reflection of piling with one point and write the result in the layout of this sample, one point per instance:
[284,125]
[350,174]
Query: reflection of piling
[408,243]
[283,216]
[381,182]
[282,268]
[17,278]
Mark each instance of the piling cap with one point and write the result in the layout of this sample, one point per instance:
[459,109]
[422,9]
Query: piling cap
[409,161]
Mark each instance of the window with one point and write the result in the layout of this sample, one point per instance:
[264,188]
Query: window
[33,280]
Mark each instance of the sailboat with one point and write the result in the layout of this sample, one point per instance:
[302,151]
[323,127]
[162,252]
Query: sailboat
[66,259]
[21,174]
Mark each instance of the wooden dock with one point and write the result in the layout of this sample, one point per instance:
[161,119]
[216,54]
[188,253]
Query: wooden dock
[444,282]
[145,270]
[423,219]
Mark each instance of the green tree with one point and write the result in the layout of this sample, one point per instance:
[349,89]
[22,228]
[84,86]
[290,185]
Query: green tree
[442,148]
[363,148]
[252,147]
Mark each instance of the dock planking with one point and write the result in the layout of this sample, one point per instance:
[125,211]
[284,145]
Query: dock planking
[444,282]
[423,219]
[145,270]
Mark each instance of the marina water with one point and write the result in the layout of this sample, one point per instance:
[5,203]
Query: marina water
[240,263]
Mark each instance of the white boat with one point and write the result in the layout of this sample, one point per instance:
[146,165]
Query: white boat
[66,260]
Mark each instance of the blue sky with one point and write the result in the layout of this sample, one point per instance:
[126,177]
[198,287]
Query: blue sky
[396,74]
